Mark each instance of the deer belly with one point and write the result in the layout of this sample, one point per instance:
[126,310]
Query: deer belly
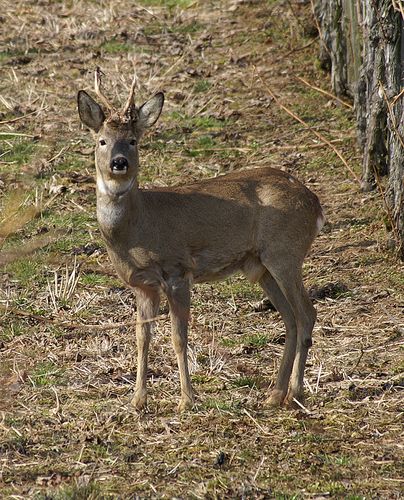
[214,269]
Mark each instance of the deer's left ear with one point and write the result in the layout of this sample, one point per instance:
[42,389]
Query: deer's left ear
[150,111]
[90,112]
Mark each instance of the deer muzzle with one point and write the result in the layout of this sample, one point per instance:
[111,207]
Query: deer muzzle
[119,165]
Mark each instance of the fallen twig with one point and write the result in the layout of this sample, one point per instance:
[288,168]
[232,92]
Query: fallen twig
[328,94]
[74,326]
[302,407]
[316,145]
[17,134]
[18,118]
[264,431]
[305,124]
[57,155]
[298,49]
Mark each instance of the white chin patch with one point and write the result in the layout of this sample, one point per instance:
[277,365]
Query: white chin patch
[115,171]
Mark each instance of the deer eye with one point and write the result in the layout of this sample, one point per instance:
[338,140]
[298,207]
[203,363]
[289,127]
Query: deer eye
[102,142]
[132,142]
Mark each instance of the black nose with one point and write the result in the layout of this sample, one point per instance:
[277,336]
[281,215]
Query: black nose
[119,163]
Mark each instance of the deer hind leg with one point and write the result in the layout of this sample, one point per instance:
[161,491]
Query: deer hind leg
[278,299]
[178,295]
[296,391]
[147,302]
[290,282]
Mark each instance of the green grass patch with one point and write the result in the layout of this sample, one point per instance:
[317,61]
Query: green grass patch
[11,330]
[55,331]
[199,135]
[285,496]
[396,278]
[96,451]
[46,374]
[337,460]
[4,55]
[95,279]
[204,146]
[206,141]
[198,378]
[202,86]
[114,46]
[154,29]
[309,110]
[245,381]
[217,404]
[80,220]
[230,342]
[59,231]
[256,340]
[74,162]
[205,122]
[238,286]
[73,229]
[10,53]
[331,487]
[318,163]
[170,4]
[188,28]
[74,492]
[17,444]
[26,271]
[19,152]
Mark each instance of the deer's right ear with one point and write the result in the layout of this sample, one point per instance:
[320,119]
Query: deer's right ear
[90,112]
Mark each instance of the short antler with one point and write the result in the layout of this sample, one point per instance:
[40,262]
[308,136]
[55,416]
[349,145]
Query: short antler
[131,99]
[98,91]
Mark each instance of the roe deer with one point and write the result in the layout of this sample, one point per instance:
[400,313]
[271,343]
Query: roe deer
[261,222]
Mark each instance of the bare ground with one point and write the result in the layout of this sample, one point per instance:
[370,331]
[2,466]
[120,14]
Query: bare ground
[67,374]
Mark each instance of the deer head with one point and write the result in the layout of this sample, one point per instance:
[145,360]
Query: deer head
[117,134]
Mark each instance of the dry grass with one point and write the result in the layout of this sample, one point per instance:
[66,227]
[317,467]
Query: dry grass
[66,429]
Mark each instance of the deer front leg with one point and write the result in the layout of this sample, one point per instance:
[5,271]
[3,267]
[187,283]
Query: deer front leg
[178,295]
[147,302]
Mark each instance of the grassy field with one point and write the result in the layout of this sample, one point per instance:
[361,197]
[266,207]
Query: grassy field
[67,345]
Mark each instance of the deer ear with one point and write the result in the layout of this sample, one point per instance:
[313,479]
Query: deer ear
[90,112]
[150,111]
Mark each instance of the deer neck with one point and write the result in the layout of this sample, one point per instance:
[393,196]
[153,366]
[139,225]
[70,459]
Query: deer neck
[117,210]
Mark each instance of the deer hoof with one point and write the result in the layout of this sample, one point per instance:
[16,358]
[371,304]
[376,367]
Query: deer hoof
[293,399]
[276,398]
[186,404]
[139,401]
